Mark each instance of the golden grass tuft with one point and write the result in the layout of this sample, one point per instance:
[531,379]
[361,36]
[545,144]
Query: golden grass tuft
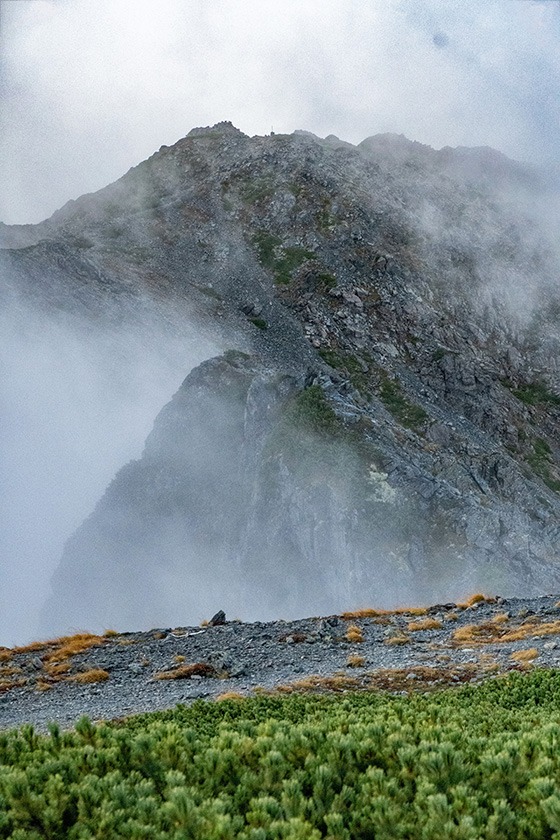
[204,622]
[62,647]
[353,614]
[425,624]
[5,654]
[5,686]
[43,685]
[417,678]
[185,672]
[178,658]
[68,646]
[451,617]
[524,655]
[500,618]
[397,640]
[335,683]
[369,613]
[34,647]
[58,669]
[230,695]
[355,661]
[94,675]
[109,634]
[478,598]
[354,634]
[9,670]
[488,632]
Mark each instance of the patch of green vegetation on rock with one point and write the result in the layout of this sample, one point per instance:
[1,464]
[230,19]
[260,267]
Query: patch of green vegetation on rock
[266,245]
[291,259]
[532,393]
[279,259]
[438,354]
[406,413]
[311,411]
[349,365]
[332,358]
[259,322]
[326,281]
[323,215]
[540,460]
[257,190]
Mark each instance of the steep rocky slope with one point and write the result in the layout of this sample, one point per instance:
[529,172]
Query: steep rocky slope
[388,428]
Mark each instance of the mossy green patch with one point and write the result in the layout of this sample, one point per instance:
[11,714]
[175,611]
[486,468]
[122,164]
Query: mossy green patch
[532,393]
[279,259]
[259,322]
[406,413]
[540,460]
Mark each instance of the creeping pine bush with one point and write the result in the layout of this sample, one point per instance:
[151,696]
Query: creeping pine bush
[479,762]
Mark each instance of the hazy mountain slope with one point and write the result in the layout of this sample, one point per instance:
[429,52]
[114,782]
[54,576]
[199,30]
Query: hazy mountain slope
[418,289]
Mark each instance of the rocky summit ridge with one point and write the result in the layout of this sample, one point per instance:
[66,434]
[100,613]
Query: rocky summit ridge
[383,424]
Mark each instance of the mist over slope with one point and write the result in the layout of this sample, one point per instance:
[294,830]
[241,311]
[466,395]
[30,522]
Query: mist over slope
[388,427]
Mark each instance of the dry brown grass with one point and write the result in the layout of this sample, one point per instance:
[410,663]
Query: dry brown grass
[524,655]
[185,672]
[335,683]
[94,675]
[370,613]
[109,634]
[418,678]
[58,669]
[355,661]
[43,685]
[230,695]
[354,614]
[5,686]
[5,654]
[477,598]
[397,640]
[488,632]
[68,646]
[451,617]
[354,634]
[295,637]
[127,642]
[178,658]
[425,624]
[9,671]
[34,647]
[62,647]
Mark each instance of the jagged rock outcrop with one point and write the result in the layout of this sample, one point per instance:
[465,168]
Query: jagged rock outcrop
[415,290]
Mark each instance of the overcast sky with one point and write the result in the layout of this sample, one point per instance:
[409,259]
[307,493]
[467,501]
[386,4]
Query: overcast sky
[89,88]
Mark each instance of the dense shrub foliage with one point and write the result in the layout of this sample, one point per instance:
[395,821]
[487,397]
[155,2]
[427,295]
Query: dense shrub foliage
[479,762]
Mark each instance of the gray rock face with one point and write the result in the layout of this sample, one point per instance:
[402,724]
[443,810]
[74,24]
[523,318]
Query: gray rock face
[392,434]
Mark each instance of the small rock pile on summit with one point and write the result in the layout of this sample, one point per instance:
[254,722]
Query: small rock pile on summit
[384,423]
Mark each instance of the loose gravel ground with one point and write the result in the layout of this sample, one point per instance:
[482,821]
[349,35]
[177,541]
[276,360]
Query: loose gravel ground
[309,654]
